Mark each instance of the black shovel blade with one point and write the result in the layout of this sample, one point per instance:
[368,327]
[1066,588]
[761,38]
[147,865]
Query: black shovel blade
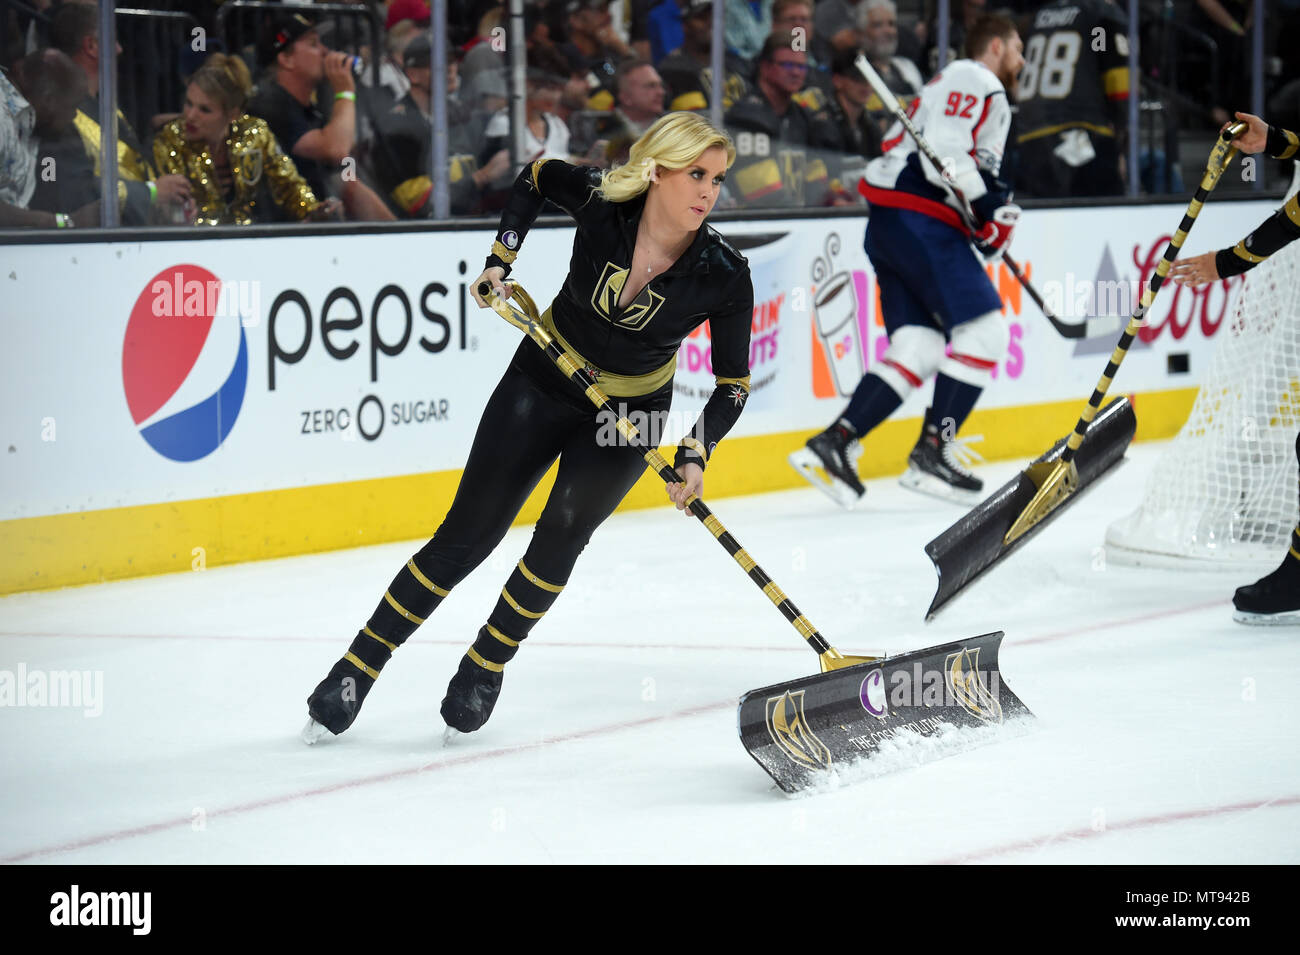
[803,731]
[974,544]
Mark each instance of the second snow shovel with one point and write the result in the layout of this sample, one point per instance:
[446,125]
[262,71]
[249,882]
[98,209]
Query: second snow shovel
[993,529]
[798,731]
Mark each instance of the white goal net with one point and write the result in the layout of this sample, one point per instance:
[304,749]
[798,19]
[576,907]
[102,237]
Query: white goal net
[1225,490]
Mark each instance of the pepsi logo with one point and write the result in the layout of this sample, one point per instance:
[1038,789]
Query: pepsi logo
[185,362]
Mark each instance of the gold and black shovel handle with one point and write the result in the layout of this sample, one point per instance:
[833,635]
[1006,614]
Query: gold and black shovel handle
[1056,480]
[520,311]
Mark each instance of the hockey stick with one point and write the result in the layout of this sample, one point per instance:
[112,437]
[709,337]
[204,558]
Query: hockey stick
[1057,480]
[1092,327]
[528,320]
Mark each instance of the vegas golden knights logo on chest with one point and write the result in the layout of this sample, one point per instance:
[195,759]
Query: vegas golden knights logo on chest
[609,287]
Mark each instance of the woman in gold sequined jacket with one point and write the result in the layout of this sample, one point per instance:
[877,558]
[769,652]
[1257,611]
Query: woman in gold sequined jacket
[235,166]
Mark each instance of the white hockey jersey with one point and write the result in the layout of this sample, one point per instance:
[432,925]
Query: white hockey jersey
[964,115]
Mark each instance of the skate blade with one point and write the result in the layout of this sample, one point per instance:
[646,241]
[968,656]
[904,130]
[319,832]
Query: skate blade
[313,732]
[449,736]
[1285,618]
[931,486]
[810,468]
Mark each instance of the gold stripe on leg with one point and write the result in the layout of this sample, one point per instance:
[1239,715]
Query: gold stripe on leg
[429,584]
[501,636]
[514,605]
[364,668]
[370,633]
[484,663]
[402,610]
[537,581]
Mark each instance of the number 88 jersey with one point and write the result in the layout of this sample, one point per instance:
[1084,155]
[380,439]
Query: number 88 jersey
[964,115]
[1076,69]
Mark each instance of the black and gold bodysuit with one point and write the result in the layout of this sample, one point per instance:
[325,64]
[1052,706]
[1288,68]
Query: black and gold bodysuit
[536,414]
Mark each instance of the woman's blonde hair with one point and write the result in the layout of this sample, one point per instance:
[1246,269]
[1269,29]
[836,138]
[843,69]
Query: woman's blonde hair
[226,79]
[673,142]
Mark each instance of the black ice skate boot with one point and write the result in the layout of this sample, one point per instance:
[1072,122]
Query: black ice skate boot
[1272,600]
[473,691]
[828,462]
[336,701]
[935,467]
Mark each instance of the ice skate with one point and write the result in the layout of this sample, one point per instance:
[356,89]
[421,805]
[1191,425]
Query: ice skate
[313,732]
[829,462]
[937,467]
[337,699]
[471,695]
[1273,600]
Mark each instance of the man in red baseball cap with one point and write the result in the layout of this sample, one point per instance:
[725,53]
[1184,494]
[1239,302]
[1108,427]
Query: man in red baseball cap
[398,10]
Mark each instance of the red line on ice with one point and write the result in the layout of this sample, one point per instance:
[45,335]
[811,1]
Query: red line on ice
[1109,624]
[1143,823]
[792,648]
[178,821]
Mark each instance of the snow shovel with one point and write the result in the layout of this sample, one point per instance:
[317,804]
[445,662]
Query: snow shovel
[994,528]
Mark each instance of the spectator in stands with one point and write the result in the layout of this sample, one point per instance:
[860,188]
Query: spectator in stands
[415,12]
[878,26]
[749,23]
[636,28]
[796,18]
[297,61]
[859,133]
[1228,23]
[545,135]
[778,141]
[687,71]
[664,27]
[234,165]
[1073,101]
[606,137]
[405,165]
[38,105]
[836,23]
[595,45]
[74,31]
[393,84]
[485,52]
[548,56]
[962,15]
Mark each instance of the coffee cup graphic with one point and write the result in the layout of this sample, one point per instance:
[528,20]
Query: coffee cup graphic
[835,309]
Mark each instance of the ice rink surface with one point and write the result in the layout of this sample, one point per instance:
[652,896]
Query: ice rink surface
[1165,732]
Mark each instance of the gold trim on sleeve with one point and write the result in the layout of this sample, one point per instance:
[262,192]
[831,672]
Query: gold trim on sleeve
[504,254]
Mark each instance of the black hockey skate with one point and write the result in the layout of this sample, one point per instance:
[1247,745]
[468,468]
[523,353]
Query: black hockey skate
[828,462]
[935,467]
[471,695]
[336,701]
[1273,600]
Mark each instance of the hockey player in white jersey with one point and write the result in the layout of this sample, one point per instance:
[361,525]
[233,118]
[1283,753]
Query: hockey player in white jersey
[934,291]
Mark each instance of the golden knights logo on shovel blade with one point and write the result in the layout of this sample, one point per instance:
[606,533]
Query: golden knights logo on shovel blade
[961,670]
[791,732]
